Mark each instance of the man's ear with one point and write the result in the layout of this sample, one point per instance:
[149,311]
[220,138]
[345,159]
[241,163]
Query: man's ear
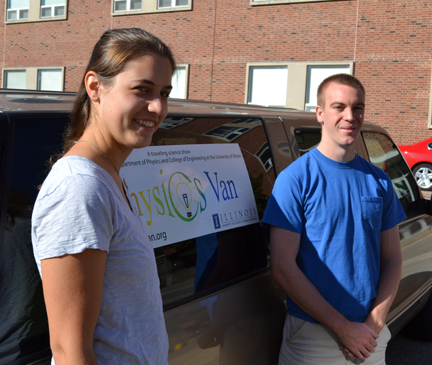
[319,114]
[93,85]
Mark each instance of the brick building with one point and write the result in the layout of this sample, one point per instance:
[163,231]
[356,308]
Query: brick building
[271,52]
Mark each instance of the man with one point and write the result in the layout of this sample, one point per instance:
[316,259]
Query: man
[335,246]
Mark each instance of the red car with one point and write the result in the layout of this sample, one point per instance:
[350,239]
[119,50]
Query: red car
[419,159]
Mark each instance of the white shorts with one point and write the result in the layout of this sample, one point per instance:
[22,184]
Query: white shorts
[307,343]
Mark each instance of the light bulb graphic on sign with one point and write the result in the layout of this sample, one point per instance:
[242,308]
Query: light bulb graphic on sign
[181,196]
[184,195]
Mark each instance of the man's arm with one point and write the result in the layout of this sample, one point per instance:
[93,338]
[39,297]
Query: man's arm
[390,275]
[359,338]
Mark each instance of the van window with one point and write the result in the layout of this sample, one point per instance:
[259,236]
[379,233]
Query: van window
[384,154]
[198,266]
[24,325]
[307,139]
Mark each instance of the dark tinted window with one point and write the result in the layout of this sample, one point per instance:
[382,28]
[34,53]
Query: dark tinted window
[307,139]
[384,154]
[195,267]
[24,327]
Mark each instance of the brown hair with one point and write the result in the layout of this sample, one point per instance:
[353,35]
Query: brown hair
[110,56]
[342,79]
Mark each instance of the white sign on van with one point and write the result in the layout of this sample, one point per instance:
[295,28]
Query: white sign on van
[182,192]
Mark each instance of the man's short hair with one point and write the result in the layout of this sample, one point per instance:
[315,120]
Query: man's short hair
[342,79]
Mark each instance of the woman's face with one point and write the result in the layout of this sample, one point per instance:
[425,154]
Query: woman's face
[135,104]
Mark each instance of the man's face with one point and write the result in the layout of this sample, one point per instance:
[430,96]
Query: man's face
[342,114]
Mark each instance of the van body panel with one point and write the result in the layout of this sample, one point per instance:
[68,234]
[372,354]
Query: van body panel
[233,311]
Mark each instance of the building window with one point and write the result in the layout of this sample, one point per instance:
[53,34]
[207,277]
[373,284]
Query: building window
[34,78]
[50,80]
[267,85]
[179,82]
[133,7]
[315,75]
[290,84]
[246,121]
[273,2]
[174,122]
[52,8]
[172,3]
[14,79]
[17,9]
[265,156]
[226,133]
[23,11]
[127,5]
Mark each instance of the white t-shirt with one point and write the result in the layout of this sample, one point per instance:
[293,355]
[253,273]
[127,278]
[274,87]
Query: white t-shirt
[80,207]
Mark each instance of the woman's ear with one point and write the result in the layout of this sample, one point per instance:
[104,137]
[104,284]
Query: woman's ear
[92,85]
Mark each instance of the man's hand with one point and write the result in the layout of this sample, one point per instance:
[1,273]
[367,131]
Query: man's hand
[358,339]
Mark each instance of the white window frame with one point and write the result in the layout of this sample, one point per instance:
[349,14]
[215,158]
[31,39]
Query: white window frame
[35,13]
[53,7]
[32,75]
[297,80]
[150,6]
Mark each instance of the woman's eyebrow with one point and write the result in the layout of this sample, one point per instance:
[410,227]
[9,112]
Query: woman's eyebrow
[151,83]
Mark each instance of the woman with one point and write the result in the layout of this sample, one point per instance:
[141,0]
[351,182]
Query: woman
[98,268]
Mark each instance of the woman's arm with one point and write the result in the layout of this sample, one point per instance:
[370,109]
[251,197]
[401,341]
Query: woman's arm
[72,286]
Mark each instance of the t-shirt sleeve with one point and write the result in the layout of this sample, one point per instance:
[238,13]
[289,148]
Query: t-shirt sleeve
[284,208]
[393,212]
[74,216]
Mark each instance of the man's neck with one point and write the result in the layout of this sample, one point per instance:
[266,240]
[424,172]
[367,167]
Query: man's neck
[338,153]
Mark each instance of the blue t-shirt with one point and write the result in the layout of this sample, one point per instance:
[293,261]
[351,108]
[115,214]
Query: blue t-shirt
[340,210]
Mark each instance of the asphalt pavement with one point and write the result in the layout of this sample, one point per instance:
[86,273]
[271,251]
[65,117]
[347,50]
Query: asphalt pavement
[402,350]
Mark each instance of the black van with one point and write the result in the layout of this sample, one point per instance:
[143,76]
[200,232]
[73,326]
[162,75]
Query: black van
[230,310]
